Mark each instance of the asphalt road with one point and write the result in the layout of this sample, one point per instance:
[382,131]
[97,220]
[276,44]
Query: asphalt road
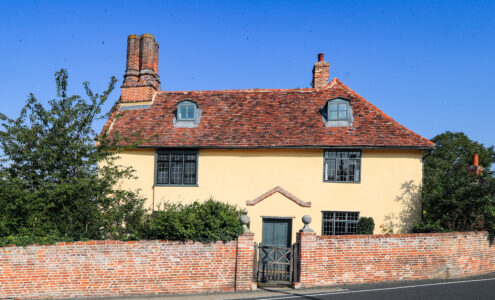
[472,289]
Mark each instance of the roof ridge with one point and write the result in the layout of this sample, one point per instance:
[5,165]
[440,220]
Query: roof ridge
[351,91]
[307,90]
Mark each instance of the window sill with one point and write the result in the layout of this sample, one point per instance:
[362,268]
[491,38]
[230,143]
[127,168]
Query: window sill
[355,182]
[176,185]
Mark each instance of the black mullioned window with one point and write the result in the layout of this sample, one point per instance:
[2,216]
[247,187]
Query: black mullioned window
[342,166]
[177,167]
[339,222]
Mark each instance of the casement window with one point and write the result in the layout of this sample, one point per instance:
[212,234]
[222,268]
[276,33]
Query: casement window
[337,113]
[187,115]
[339,222]
[338,110]
[342,166]
[186,111]
[176,167]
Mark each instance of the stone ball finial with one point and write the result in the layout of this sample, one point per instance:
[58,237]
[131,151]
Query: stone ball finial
[306,220]
[245,221]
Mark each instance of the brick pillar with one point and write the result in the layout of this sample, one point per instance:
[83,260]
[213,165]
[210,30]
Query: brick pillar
[244,263]
[307,258]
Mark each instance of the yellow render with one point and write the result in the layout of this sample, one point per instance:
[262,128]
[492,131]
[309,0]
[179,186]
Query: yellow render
[388,191]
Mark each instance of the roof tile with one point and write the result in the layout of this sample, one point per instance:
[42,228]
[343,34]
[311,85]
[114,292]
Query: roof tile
[259,118]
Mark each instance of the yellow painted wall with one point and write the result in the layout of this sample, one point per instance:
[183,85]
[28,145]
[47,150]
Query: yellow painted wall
[388,191]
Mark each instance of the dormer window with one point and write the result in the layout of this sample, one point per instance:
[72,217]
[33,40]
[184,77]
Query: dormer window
[186,111]
[337,113]
[187,114]
[337,110]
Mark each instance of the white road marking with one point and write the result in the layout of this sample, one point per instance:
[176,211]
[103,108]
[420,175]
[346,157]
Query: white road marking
[383,289]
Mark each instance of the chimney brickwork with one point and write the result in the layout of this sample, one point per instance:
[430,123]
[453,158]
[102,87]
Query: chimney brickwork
[321,72]
[475,168]
[141,79]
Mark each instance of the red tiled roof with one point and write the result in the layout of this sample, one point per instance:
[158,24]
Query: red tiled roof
[264,119]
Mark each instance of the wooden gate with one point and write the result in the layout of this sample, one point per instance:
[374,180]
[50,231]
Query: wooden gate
[276,264]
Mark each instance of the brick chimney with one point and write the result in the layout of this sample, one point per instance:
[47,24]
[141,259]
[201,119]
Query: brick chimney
[475,168]
[141,79]
[321,72]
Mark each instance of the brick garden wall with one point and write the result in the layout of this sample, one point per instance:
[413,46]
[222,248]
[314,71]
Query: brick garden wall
[106,268]
[331,260]
[111,268]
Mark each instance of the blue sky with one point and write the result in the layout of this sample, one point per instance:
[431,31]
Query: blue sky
[428,64]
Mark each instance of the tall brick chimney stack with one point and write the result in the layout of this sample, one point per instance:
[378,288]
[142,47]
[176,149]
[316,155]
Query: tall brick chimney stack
[141,79]
[321,72]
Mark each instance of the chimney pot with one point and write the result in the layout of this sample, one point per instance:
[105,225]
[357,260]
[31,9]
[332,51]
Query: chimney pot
[321,72]
[475,160]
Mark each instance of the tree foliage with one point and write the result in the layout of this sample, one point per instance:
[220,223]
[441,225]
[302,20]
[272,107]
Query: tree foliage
[454,199]
[55,181]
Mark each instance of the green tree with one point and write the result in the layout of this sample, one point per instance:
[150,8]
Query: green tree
[454,199]
[58,176]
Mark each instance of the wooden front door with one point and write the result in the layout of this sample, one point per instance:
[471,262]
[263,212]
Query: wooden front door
[277,232]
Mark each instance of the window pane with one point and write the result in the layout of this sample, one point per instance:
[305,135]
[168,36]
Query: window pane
[333,107]
[342,106]
[182,112]
[189,169]
[176,169]
[190,112]
[333,115]
[353,170]
[354,154]
[330,170]
[330,153]
[162,169]
[342,114]
[342,168]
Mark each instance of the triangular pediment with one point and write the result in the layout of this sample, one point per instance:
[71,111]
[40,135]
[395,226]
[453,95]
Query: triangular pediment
[282,191]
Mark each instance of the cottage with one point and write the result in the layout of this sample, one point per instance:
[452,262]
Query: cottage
[323,151]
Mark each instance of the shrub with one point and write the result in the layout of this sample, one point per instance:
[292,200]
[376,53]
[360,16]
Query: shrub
[206,222]
[365,225]
[428,227]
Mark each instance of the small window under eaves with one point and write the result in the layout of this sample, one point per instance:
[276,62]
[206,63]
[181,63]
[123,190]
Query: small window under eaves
[337,113]
[187,114]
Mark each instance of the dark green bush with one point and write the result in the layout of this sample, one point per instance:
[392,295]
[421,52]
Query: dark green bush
[428,227]
[206,222]
[365,225]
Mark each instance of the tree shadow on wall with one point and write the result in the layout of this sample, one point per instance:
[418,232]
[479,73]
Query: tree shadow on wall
[410,214]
